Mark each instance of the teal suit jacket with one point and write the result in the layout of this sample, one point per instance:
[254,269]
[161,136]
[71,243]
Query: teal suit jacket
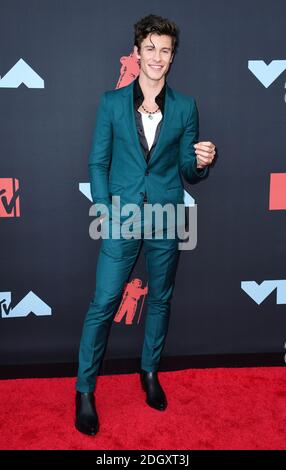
[117,165]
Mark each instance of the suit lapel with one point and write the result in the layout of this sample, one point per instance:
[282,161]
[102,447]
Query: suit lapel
[129,118]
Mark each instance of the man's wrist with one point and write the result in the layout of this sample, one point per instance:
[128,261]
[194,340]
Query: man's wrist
[201,172]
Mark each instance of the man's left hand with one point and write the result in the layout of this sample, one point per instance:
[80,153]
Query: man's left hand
[205,153]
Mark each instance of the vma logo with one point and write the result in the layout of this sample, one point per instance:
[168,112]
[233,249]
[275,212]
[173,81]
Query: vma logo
[9,197]
[259,292]
[20,73]
[31,303]
[266,74]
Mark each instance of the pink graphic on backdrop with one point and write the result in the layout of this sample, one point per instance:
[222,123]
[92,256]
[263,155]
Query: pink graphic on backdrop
[128,71]
[132,293]
[9,197]
[277,193]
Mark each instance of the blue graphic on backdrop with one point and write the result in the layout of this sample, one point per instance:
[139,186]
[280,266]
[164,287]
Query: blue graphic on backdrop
[20,73]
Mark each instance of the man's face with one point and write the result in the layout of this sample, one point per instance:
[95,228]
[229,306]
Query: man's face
[155,55]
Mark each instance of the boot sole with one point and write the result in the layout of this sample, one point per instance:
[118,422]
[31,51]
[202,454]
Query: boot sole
[84,430]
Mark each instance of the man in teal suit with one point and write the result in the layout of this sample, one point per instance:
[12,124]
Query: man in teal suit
[142,161]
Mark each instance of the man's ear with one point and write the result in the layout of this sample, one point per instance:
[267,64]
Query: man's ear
[136,52]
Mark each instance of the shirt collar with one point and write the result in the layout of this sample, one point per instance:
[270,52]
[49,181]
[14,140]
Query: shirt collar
[139,97]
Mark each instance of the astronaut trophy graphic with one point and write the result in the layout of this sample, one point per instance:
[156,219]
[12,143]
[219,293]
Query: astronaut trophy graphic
[132,293]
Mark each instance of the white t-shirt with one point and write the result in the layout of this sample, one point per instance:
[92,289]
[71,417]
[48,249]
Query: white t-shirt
[150,126]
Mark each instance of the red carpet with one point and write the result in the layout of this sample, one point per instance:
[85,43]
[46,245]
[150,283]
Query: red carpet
[208,409]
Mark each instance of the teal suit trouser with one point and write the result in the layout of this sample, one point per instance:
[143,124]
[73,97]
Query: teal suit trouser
[114,266]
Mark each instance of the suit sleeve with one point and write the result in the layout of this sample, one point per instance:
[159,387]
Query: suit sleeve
[188,161]
[100,154]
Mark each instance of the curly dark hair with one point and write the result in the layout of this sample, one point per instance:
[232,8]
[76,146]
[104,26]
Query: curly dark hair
[156,24]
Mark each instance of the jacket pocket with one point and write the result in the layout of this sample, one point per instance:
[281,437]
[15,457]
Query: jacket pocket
[115,188]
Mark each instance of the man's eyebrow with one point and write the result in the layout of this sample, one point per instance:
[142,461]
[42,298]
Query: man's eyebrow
[150,45]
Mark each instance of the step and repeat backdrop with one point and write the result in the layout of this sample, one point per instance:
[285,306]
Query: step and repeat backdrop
[57,58]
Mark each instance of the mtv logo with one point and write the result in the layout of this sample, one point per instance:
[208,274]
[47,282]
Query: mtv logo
[259,292]
[9,197]
[20,73]
[267,74]
[31,303]
[84,188]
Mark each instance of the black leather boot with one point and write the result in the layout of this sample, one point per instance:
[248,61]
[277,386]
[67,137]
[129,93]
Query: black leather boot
[155,395]
[86,419]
